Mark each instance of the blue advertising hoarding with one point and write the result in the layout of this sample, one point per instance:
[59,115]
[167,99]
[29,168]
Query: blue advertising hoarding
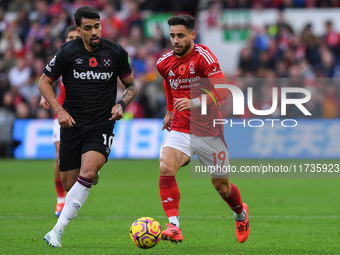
[142,138]
[310,138]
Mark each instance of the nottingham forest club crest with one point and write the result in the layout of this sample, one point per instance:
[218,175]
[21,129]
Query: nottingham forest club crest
[106,61]
[192,68]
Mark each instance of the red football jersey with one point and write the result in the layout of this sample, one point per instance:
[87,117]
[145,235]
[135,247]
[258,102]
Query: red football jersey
[190,77]
[62,95]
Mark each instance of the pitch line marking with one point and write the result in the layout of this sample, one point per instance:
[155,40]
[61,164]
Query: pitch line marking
[212,217]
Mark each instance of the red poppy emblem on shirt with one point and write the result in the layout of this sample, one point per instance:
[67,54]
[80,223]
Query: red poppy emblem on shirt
[181,69]
[93,62]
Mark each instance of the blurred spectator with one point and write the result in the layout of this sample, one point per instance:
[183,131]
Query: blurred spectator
[215,14]
[331,102]
[332,38]
[262,39]
[22,111]
[8,61]
[151,97]
[31,32]
[7,117]
[281,69]
[10,39]
[30,89]
[42,113]
[327,61]
[41,12]
[18,5]
[280,52]
[159,39]
[247,62]
[19,74]
[22,25]
[4,85]
[111,23]
[311,42]
[3,23]
[132,19]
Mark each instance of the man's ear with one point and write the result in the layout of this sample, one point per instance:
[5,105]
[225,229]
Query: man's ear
[193,34]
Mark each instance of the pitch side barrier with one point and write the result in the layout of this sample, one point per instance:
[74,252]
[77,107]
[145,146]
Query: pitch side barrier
[142,138]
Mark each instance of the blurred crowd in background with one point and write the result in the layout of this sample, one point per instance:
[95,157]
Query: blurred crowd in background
[32,31]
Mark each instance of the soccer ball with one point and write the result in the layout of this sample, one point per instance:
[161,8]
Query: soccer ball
[145,232]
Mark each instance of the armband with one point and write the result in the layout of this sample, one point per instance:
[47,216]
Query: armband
[196,102]
[121,102]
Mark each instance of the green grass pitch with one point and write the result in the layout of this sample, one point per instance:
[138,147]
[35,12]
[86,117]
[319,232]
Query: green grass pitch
[287,215]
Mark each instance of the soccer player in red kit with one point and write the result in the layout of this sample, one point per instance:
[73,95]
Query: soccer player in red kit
[184,68]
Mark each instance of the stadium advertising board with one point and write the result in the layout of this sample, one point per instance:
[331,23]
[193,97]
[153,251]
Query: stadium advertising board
[141,138]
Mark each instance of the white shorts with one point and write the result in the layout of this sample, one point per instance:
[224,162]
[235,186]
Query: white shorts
[56,131]
[211,151]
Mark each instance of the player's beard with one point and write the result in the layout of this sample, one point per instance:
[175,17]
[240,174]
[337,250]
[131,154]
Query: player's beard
[183,51]
[94,45]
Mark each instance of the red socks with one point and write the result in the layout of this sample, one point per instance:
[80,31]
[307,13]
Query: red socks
[234,200]
[170,195]
[59,188]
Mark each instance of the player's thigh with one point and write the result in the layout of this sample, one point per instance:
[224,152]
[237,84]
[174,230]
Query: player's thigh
[95,150]
[70,148]
[212,152]
[91,163]
[170,160]
[175,152]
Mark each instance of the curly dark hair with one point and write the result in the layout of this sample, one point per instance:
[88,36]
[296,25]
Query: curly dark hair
[182,19]
[87,12]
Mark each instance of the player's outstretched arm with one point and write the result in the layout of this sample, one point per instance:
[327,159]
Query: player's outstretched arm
[45,87]
[129,94]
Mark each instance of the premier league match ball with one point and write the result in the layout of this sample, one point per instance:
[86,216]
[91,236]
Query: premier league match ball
[145,232]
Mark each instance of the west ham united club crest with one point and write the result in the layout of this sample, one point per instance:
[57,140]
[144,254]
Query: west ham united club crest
[106,61]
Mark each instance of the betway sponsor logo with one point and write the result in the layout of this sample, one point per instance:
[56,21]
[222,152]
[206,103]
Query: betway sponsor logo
[175,83]
[90,75]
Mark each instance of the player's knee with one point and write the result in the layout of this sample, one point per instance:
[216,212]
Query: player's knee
[89,174]
[166,169]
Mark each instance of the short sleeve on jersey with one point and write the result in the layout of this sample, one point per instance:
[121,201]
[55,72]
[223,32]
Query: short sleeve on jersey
[125,68]
[212,70]
[56,66]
